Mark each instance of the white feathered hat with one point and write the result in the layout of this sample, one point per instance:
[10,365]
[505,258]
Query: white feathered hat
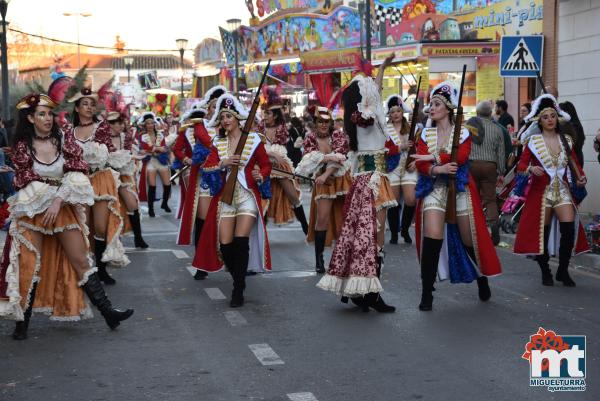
[542,103]
[213,94]
[146,116]
[447,92]
[395,100]
[230,104]
[197,110]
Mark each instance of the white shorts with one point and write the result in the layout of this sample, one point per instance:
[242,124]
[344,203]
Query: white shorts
[155,165]
[557,195]
[243,204]
[436,200]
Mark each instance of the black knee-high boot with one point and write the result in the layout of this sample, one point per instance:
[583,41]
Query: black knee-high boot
[136,226]
[299,213]
[151,199]
[430,257]
[242,255]
[567,241]
[97,296]
[374,299]
[320,237]
[200,274]
[393,217]
[21,328]
[543,260]
[482,282]
[165,199]
[99,248]
[408,212]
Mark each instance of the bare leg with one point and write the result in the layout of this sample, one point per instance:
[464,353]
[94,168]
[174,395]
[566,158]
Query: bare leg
[464,227]
[165,177]
[408,193]
[129,199]
[433,224]
[74,247]
[290,191]
[381,227]
[324,207]
[203,205]
[243,225]
[101,214]
[565,213]
[226,229]
[151,175]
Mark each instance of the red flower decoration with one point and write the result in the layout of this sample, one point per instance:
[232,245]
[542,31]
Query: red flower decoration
[358,119]
[33,100]
[542,341]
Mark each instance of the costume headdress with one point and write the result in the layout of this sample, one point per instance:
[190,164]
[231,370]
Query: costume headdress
[213,94]
[272,99]
[198,110]
[541,104]
[147,116]
[113,116]
[370,108]
[447,92]
[83,93]
[323,113]
[35,99]
[396,101]
[228,103]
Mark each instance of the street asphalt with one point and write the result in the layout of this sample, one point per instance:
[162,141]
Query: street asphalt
[293,341]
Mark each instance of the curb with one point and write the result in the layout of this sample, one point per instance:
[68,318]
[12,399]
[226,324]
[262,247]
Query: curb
[588,260]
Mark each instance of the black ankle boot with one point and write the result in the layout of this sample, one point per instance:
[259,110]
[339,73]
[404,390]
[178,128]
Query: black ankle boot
[567,241]
[21,328]
[430,256]
[99,248]
[393,217]
[484,288]
[165,198]
[543,260]
[97,296]
[320,237]
[242,255]
[301,217]
[374,300]
[151,199]
[136,226]
[408,212]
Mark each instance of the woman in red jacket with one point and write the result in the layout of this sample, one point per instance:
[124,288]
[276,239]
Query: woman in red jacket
[235,235]
[554,193]
[472,256]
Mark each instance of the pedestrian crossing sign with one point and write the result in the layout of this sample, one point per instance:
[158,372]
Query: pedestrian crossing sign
[521,56]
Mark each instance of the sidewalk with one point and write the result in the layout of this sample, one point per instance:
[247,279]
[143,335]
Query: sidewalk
[589,261]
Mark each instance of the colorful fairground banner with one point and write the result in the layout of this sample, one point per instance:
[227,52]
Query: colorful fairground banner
[430,20]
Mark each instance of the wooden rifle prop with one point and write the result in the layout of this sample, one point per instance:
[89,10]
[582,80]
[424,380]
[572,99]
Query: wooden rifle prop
[227,195]
[178,174]
[292,175]
[413,127]
[572,164]
[451,200]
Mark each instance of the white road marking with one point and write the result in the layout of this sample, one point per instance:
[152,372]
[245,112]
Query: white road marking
[235,318]
[302,397]
[192,270]
[180,254]
[215,294]
[265,354]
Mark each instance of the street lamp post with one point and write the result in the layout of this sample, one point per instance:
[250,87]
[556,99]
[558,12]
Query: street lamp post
[4,61]
[234,26]
[128,63]
[77,16]
[181,45]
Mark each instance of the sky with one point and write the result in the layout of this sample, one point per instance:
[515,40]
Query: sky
[143,24]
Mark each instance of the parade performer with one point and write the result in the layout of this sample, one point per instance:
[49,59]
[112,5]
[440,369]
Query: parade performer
[473,256]
[46,267]
[235,234]
[557,182]
[192,146]
[153,147]
[357,259]
[286,193]
[325,159]
[121,160]
[404,177]
[94,138]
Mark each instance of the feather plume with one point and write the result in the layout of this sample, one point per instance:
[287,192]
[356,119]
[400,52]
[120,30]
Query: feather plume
[77,84]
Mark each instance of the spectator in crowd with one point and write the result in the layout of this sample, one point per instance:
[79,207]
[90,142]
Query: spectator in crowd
[295,138]
[524,111]
[579,135]
[6,171]
[504,118]
[488,163]
[597,144]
